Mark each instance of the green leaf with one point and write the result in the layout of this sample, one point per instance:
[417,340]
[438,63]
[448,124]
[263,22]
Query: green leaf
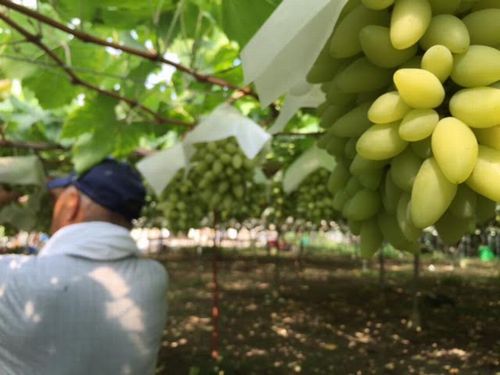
[98,112]
[90,149]
[43,85]
[242,18]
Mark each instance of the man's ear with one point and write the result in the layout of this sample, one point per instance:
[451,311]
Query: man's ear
[67,209]
[72,203]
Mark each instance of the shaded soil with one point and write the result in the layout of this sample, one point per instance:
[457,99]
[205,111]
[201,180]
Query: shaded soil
[326,316]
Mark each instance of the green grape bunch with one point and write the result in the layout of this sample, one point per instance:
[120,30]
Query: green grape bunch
[225,180]
[312,200]
[280,207]
[412,115]
[181,204]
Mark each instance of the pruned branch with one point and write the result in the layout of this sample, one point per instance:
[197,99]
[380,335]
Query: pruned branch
[146,54]
[76,80]
[292,134]
[31,145]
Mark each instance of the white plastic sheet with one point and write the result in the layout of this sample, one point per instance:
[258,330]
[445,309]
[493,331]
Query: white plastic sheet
[159,169]
[284,49]
[310,99]
[21,170]
[307,163]
[224,122]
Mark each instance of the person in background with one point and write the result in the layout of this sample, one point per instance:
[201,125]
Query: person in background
[87,303]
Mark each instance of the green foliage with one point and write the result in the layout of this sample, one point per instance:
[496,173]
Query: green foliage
[242,18]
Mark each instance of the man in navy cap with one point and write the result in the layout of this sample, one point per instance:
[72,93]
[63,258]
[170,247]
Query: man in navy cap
[88,303]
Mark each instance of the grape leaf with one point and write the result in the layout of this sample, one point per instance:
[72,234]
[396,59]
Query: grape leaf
[242,18]
[98,112]
[42,84]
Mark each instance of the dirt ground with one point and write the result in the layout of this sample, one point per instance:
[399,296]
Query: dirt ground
[327,316]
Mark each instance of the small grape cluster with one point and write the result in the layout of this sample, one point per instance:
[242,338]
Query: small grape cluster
[312,200]
[225,180]
[181,204]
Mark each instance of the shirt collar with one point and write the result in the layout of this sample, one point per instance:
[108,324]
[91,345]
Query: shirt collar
[95,240]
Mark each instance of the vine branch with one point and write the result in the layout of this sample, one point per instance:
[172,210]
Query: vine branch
[146,54]
[76,80]
[31,145]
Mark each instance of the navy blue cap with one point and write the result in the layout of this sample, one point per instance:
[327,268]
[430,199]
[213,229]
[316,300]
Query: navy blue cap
[112,184]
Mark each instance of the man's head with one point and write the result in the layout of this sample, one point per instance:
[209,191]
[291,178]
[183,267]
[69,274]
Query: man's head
[110,191]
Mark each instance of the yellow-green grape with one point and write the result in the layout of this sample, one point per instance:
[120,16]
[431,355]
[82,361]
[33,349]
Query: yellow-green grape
[489,137]
[486,173]
[371,238]
[331,114]
[414,63]
[321,108]
[345,42]
[409,230]
[388,108]
[484,27]
[439,61]
[340,99]
[340,200]
[353,123]
[371,179]
[404,169]
[445,6]
[362,206]
[323,140]
[354,227]
[478,107]
[362,76]
[418,124]
[431,194]
[422,148]
[485,4]
[419,88]
[381,142]
[377,4]
[466,6]
[485,209]
[336,146]
[352,186]
[389,227]
[350,148]
[451,228]
[479,66]
[338,178]
[409,22]
[324,68]
[464,203]
[361,165]
[446,30]
[390,195]
[376,45]
[455,149]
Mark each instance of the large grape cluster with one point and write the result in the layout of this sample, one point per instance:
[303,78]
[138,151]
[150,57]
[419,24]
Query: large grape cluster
[413,117]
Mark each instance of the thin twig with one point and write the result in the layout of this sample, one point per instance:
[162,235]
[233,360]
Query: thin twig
[36,40]
[292,134]
[146,54]
[31,145]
